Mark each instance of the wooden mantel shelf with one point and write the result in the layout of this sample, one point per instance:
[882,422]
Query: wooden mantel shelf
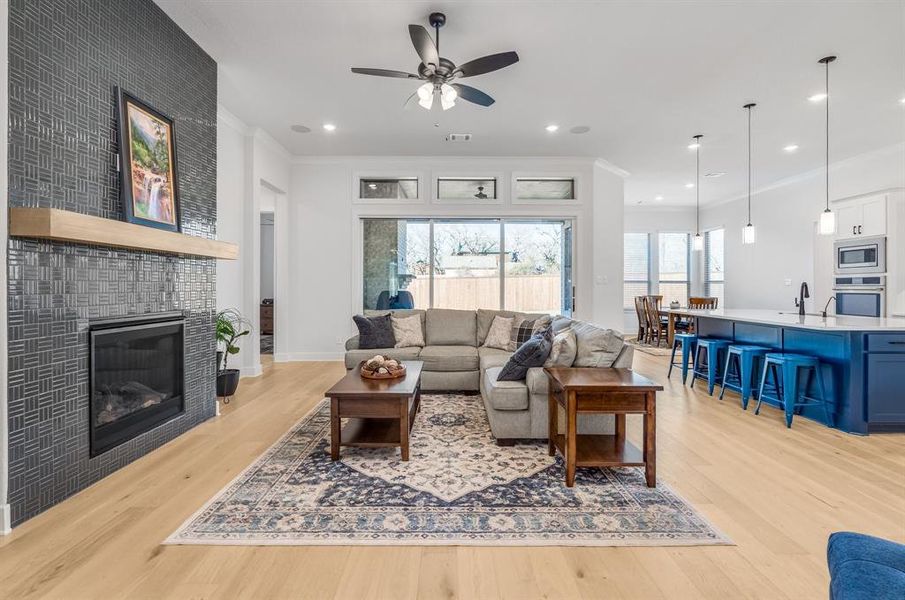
[67,226]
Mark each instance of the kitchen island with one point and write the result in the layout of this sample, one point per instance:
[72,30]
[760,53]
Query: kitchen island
[863,358]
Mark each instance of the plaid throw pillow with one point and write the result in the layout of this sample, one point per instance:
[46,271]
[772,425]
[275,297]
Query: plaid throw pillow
[524,329]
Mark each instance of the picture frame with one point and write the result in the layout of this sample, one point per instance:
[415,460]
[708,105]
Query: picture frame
[149,187]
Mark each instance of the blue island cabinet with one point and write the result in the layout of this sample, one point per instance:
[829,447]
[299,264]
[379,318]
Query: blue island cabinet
[864,372]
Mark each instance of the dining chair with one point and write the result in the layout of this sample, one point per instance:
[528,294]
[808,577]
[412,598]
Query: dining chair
[641,313]
[703,303]
[656,325]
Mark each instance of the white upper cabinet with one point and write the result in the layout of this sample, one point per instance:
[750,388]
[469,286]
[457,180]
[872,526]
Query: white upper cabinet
[861,217]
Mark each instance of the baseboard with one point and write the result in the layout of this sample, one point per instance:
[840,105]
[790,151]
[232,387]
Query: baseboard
[5,521]
[307,356]
[253,371]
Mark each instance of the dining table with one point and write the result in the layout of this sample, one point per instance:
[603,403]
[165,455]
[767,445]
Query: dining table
[673,315]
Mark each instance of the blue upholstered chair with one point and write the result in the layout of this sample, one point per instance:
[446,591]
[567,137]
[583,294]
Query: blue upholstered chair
[688,342]
[708,359]
[790,395]
[744,357]
[863,567]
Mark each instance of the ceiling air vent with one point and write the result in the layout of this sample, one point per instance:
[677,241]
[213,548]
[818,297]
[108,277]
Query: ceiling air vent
[458,137]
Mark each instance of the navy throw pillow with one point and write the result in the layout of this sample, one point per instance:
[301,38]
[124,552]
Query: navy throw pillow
[532,353]
[375,332]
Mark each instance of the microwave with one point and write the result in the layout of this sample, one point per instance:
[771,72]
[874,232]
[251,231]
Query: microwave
[862,255]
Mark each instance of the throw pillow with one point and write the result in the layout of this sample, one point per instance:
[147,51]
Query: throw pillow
[499,333]
[532,353]
[524,328]
[596,347]
[408,331]
[541,323]
[374,332]
[565,346]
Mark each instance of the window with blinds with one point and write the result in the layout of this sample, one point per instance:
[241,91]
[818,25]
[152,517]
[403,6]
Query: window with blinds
[636,268]
[714,264]
[674,260]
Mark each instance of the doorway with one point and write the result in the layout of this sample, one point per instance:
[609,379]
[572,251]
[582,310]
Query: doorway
[267,282]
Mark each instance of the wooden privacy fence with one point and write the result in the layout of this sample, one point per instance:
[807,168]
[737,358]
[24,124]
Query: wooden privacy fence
[527,293]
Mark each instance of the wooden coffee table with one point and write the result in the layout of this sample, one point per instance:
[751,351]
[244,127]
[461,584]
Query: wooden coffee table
[614,391]
[380,412]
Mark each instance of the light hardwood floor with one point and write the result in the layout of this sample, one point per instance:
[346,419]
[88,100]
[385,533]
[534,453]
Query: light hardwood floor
[776,492]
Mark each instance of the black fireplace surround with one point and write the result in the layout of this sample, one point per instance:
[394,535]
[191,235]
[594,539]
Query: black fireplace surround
[137,376]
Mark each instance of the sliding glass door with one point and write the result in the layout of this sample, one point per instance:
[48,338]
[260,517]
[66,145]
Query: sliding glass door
[523,265]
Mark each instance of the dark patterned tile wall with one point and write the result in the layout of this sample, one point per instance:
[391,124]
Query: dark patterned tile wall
[66,57]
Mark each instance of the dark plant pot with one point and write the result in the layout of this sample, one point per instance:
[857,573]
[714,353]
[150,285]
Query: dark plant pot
[227,382]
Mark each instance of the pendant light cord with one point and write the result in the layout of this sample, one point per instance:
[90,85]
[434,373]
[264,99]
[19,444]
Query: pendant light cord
[827,92]
[749,164]
[697,188]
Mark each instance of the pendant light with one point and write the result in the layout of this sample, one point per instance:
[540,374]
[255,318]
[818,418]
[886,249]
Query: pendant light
[748,232]
[827,223]
[697,243]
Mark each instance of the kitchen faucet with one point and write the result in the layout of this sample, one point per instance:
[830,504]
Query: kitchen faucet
[802,294]
[827,306]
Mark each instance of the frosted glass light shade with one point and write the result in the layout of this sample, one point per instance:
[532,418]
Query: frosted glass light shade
[426,95]
[697,242]
[827,224]
[748,234]
[448,95]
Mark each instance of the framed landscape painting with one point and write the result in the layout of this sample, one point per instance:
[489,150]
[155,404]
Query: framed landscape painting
[148,164]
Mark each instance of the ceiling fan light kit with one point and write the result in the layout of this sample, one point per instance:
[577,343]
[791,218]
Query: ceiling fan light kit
[439,73]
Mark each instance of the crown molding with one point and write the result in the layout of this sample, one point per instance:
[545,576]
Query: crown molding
[607,165]
[552,161]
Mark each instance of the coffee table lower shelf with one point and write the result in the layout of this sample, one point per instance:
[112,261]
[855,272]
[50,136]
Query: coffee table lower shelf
[371,433]
[602,450]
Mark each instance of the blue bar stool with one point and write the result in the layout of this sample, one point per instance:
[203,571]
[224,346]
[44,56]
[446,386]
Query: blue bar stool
[745,377]
[785,369]
[688,342]
[713,350]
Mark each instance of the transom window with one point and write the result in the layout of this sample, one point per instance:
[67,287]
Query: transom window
[544,188]
[466,188]
[383,188]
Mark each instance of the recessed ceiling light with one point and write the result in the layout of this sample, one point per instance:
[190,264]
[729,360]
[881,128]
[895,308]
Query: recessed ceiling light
[689,185]
[551,128]
[791,148]
[300,129]
[817,97]
[579,129]
[658,198]
[693,146]
[329,127]
[714,174]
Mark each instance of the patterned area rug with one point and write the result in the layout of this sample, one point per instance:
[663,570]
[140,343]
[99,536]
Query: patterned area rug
[648,349]
[459,488]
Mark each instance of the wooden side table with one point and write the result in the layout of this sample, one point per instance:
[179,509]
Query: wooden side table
[610,391]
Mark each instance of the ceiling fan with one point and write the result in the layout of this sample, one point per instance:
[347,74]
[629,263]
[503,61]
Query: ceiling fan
[438,72]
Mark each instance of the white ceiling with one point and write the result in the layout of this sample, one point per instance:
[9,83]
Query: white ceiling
[645,76]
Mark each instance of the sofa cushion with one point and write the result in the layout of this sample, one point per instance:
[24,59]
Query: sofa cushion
[596,347]
[447,327]
[560,322]
[374,332]
[399,312]
[537,381]
[504,395]
[354,357]
[532,353]
[565,347]
[485,320]
[864,567]
[408,331]
[492,357]
[449,358]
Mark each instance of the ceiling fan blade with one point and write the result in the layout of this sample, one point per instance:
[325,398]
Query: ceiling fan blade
[466,92]
[408,101]
[424,45]
[486,64]
[384,73]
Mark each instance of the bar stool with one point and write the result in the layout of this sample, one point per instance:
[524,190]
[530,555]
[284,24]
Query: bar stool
[712,350]
[688,342]
[786,387]
[745,375]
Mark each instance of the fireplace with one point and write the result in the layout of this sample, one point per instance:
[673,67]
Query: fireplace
[137,376]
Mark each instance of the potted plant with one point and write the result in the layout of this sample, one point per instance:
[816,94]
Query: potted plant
[231,326]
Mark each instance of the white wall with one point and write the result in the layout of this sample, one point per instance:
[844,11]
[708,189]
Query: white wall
[252,169]
[324,250]
[785,214]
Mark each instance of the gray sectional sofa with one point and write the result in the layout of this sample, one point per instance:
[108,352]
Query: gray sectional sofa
[456,360]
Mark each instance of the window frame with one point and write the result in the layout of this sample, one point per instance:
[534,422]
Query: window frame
[688,265]
[707,281]
[576,187]
[356,188]
[648,282]
[358,271]
[497,178]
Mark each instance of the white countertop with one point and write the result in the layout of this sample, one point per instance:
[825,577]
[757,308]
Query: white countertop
[790,318]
